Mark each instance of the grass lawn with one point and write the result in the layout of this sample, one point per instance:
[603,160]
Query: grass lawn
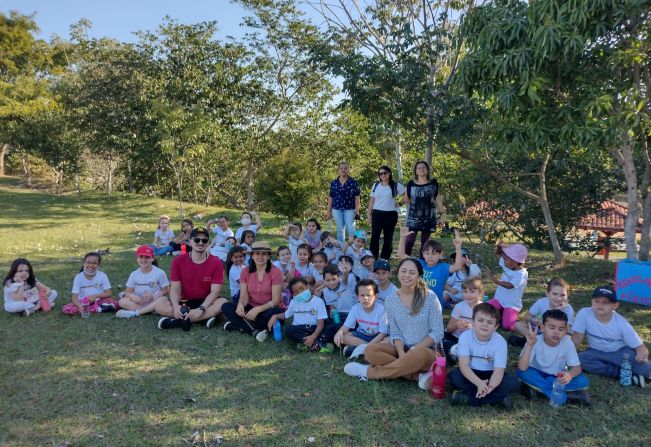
[113,382]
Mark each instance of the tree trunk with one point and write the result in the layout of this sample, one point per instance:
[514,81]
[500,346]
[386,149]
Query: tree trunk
[129,177]
[398,153]
[625,157]
[430,135]
[249,184]
[645,187]
[77,186]
[109,176]
[3,150]
[543,201]
[179,186]
[27,172]
[195,196]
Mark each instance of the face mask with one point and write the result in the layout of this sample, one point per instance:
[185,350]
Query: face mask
[89,273]
[246,221]
[304,296]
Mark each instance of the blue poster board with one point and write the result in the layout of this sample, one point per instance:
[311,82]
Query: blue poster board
[633,282]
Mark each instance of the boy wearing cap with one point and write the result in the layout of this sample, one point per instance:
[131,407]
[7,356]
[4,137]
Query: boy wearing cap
[510,287]
[382,273]
[355,249]
[610,338]
[196,281]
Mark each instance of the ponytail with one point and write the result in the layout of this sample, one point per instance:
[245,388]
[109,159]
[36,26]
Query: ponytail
[422,289]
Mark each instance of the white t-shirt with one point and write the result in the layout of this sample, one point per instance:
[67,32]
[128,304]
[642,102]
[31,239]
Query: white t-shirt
[30,293]
[461,311]
[308,313]
[484,355]
[333,254]
[219,249]
[234,279]
[552,359]
[383,294]
[365,273]
[151,282]
[342,298]
[238,233]
[512,297]
[292,244]
[384,200]
[317,275]
[357,259]
[165,237]
[305,270]
[370,323]
[542,305]
[607,337]
[282,267]
[84,286]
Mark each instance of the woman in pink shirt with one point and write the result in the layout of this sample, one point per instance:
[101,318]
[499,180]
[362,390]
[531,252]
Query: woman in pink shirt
[260,290]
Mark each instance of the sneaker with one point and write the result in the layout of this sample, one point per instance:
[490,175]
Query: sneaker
[230,327]
[425,381]
[300,347]
[458,397]
[527,391]
[106,308]
[578,398]
[211,322]
[168,323]
[27,313]
[348,351]
[507,402]
[517,341]
[327,349]
[186,324]
[355,369]
[359,350]
[124,313]
[260,335]
[638,380]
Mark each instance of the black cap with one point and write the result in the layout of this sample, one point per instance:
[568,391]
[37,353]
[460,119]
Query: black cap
[198,230]
[606,292]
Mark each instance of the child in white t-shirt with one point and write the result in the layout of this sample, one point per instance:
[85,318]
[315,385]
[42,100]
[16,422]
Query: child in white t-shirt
[510,287]
[461,318]
[355,249]
[91,288]
[312,234]
[234,267]
[294,239]
[482,354]
[162,237]
[556,297]
[303,265]
[309,316]
[245,220]
[453,288]
[366,322]
[366,272]
[330,246]
[145,287]
[336,294]
[319,262]
[23,292]
[550,356]
[382,275]
[611,338]
[222,233]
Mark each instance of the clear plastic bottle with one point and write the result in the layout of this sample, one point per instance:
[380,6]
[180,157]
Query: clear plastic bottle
[626,371]
[85,307]
[558,394]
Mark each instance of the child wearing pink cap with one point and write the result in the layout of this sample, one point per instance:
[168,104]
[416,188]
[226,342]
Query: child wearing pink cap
[510,286]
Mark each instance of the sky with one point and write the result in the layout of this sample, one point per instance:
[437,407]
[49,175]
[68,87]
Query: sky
[120,18]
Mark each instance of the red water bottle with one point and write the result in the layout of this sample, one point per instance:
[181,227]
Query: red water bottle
[439,374]
[183,249]
[45,303]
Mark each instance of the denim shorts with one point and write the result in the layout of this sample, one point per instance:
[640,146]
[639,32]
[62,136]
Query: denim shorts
[367,338]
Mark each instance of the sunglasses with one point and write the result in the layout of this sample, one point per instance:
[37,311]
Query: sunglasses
[198,240]
[383,173]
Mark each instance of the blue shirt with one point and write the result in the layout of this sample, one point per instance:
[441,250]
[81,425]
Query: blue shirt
[343,196]
[436,277]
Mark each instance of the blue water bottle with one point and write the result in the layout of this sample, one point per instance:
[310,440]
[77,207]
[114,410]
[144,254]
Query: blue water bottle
[626,371]
[335,316]
[278,332]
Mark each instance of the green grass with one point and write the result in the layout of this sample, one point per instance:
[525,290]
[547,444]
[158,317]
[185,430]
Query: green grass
[111,382]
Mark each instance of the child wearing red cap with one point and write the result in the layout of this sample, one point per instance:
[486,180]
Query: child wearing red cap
[510,287]
[145,286]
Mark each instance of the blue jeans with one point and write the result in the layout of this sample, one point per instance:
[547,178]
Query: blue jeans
[541,381]
[344,218]
[165,249]
[603,363]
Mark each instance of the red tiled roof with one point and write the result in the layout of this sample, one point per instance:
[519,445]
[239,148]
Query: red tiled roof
[486,210]
[610,218]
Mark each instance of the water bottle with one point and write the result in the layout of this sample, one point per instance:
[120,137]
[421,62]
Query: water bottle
[45,302]
[439,374]
[335,316]
[85,307]
[626,371]
[184,250]
[485,299]
[558,394]
[278,333]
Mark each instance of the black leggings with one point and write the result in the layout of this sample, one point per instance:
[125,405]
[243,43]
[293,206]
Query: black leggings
[383,221]
[260,323]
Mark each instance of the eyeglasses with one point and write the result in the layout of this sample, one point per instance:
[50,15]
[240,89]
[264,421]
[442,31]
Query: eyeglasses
[383,173]
[198,240]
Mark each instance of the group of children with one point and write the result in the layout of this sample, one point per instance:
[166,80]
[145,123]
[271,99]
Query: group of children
[335,293]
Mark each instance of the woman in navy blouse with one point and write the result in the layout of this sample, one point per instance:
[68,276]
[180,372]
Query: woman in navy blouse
[343,202]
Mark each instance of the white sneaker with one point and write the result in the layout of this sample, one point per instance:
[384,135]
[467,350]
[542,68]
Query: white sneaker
[638,380]
[124,313]
[27,313]
[261,336]
[425,381]
[355,369]
[359,350]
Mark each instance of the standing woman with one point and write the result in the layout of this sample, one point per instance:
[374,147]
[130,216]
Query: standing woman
[415,327]
[424,200]
[343,202]
[260,290]
[383,212]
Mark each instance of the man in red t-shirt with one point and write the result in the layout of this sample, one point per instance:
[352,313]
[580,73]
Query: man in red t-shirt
[196,281]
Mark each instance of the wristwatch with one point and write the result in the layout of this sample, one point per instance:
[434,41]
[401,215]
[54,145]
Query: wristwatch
[203,309]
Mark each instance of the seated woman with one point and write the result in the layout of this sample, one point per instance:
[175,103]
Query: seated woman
[415,327]
[260,288]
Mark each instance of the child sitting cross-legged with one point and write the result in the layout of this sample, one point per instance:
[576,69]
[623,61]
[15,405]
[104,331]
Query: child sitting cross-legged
[461,317]
[309,315]
[482,353]
[366,322]
[610,339]
[547,356]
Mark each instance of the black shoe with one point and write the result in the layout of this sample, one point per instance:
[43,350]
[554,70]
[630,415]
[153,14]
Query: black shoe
[348,351]
[527,391]
[578,398]
[230,327]
[211,322]
[168,323]
[517,341]
[458,397]
[186,324]
[507,402]
[106,308]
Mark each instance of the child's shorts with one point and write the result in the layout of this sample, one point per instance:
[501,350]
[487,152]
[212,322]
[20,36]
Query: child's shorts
[366,337]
